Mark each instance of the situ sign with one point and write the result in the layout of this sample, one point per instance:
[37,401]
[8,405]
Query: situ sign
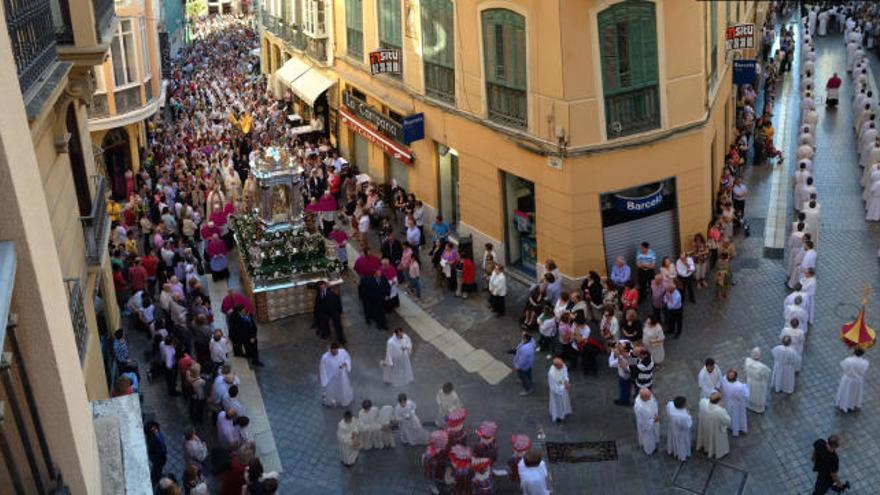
[385,61]
[740,36]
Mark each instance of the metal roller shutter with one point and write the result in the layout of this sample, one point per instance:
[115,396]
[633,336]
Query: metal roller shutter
[623,239]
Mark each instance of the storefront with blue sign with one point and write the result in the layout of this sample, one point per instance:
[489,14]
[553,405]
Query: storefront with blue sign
[643,213]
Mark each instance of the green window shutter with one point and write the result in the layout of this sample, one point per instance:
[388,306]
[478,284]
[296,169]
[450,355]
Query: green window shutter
[438,35]
[390,23]
[354,27]
[504,48]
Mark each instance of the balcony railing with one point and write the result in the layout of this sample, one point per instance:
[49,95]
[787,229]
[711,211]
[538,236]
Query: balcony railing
[104,14]
[440,82]
[128,99]
[316,48]
[507,106]
[100,107]
[77,315]
[29,23]
[96,226]
[632,112]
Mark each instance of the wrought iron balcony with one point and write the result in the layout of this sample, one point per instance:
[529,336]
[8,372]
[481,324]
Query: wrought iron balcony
[316,48]
[440,82]
[507,106]
[77,315]
[29,23]
[96,226]
[632,112]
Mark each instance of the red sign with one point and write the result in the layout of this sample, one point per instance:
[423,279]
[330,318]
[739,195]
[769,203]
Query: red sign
[740,36]
[388,145]
[385,61]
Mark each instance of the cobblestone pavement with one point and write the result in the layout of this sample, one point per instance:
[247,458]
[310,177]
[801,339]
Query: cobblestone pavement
[773,457]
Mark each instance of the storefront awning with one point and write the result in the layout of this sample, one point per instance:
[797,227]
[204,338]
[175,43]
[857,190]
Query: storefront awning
[392,148]
[310,85]
[291,70]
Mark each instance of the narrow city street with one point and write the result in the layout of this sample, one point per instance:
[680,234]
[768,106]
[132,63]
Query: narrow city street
[773,457]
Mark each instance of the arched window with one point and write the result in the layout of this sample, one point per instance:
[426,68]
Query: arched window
[628,47]
[504,57]
[438,48]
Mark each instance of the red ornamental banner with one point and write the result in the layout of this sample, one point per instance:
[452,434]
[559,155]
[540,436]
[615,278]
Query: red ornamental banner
[391,148]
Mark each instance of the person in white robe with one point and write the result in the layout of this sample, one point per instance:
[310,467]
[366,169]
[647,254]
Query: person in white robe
[795,252]
[447,400]
[709,378]
[369,427]
[559,385]
[852,384]
[411,430]
[798,338]
[736,399]
[871,175]
[808,286]
[795,311]
[812,220]
[872,207]
[804,150]
[803,193]
[386,436]
[712,428]
[349,443]
[822,30]
[396,367]
[647,421]
[334,369]
[785,361]
[811,118]
[807,138]
[678,431]
[866,144]
[757,379]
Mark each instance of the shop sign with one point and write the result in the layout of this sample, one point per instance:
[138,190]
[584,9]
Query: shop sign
[413,128]
[385,124]
[391,148]
[744,71]
[639,205]
[740,36]
[385,61]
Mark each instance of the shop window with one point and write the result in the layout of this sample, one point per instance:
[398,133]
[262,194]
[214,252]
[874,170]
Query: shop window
[438,49]
[123,52]
[354,28]
[390,26]
[504,56]
[314,17]
[628,47]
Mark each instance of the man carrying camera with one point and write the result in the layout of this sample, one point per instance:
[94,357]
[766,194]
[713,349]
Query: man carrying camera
[825,464]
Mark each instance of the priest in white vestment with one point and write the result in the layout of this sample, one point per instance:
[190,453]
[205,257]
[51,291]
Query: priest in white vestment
[869,176]
[736,398]
[709,378]
[812,220]
[386,417]
[559,385]
[411,430]
[785,361]
[808,286]
[757,379]
[397,368]
[647,421]
[822,30]
[447,400]
[795,311]
[349,443]
[369,427]
[678,432]
[852,383]
[794,331]
[712,429]
[334,369]
[872,207]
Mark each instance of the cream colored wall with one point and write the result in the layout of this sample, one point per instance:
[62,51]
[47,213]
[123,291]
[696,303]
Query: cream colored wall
[46,333]
[93,363]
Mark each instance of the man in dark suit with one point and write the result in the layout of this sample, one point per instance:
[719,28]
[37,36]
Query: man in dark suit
[245,328]
[375,291]
[328,308]
[392,249]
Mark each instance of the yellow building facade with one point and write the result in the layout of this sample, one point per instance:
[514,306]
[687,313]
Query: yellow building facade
[569,130]
[128,91]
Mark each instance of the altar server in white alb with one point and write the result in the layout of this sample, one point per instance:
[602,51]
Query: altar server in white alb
[758,379]
[785,361]
[736,398]
[712,430]
[397,368]
[411,430]
[369,427]
[852,383]
[647,421]
[678,430]
[334,369]
[349,443]
[709,378]
[557,381]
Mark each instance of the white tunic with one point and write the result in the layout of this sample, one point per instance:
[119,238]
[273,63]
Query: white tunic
[397,367]
[757,378]
[794,311]
[347,435]
[872,208]
[560,403]
[797,342]
[370,429]
[445,403]
[712,430]
[411,430]
[647,427]
[852,383]
[709,382]
[736,398]
[785,361]
[678,434]
[808,286]
[334,372]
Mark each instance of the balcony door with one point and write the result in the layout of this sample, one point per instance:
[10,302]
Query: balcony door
[78,163]
[117,159]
